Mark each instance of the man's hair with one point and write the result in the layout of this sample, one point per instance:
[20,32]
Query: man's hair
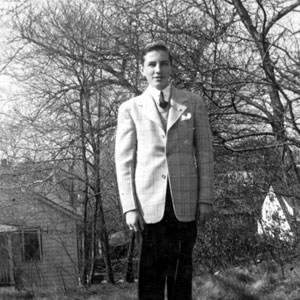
[155,46]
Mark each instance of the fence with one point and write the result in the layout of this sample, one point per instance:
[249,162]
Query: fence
[5,279]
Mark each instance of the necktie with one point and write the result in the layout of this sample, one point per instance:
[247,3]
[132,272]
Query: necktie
[162,102]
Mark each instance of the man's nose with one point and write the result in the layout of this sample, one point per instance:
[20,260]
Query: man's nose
[157,68]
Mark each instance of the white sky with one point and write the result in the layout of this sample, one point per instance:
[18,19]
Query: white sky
[7,85]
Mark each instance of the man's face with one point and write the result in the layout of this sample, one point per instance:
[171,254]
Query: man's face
[157,69]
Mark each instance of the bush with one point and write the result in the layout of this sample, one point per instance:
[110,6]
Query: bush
[231,240]
[12,294]
[225,241]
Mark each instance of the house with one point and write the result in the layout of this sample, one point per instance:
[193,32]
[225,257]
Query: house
[278,215]
[38,236]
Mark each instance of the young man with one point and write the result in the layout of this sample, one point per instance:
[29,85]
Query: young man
[164,164]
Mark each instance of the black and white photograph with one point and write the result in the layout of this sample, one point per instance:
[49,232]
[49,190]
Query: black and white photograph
[150,149]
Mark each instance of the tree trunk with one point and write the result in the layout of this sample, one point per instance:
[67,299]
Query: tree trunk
[85,254]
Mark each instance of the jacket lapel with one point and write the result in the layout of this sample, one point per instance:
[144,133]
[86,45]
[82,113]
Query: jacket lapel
[149,109]
[177,107]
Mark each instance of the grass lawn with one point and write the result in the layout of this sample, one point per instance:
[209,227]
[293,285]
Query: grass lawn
[262,282]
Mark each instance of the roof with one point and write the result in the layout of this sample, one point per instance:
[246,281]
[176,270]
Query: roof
[41,190]
[44,193]
[7,228]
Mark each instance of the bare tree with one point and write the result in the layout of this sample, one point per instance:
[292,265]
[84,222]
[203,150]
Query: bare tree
[262,22]
[65,63]
[80,60]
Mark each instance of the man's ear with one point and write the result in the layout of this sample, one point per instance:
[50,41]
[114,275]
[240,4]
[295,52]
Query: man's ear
[142,70]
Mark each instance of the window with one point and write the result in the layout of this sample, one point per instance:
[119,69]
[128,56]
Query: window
[31,244]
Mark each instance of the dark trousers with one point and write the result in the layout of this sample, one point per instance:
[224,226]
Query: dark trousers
[166,258]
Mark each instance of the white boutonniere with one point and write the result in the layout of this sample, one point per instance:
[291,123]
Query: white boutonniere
[186,117]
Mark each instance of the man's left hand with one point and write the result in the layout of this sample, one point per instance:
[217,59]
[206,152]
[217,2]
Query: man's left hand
[205,210]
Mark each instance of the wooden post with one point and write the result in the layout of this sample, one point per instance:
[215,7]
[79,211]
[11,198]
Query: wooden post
[10,259]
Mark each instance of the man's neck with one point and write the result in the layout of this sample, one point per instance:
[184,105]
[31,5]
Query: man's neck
[159,90]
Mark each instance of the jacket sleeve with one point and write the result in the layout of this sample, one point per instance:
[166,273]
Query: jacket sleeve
[125,158]
[204,154]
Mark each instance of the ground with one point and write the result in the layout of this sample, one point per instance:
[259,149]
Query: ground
[266,281]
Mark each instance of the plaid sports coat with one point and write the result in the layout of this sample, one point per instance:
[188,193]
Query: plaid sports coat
[147,156]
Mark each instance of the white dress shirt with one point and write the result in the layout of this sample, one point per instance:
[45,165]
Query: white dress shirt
[155,93]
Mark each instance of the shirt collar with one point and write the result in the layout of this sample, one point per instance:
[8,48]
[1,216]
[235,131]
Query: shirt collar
[155,93]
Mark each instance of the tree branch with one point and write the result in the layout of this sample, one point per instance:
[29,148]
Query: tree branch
[280,15]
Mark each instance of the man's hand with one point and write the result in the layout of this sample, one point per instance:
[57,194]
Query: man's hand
[134,220]
[205,211]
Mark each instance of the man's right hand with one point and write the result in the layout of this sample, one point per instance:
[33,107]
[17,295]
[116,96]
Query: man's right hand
[134,220]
